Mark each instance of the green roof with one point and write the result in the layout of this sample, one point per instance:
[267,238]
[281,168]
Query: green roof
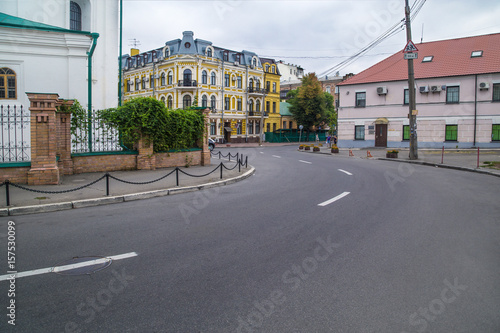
[15,22]
[284,111]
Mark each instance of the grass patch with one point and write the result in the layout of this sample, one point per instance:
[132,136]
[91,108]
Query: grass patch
[492,165]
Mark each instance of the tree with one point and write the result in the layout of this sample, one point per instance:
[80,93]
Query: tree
[310,106]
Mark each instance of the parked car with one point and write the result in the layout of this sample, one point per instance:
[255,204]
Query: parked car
[211,144]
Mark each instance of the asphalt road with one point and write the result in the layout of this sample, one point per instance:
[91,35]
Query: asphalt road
[300,246]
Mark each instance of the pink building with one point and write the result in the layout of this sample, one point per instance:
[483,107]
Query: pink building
[457,85]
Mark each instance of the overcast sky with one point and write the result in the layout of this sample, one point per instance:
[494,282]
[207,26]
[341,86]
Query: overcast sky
[313,34]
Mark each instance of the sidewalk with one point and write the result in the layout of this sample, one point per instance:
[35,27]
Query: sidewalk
[29,202]
[462,159]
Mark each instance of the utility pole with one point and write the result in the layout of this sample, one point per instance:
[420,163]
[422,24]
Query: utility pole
[412,115]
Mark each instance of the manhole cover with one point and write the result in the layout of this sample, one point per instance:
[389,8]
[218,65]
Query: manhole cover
[82,265]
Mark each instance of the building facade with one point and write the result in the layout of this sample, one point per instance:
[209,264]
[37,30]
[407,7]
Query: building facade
[457,88]
[193,72]
[45,47]
[272,100]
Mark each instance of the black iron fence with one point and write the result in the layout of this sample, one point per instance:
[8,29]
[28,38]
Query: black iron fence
[15,134]
[238,159]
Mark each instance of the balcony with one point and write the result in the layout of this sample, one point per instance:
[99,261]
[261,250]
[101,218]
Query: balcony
[187,83]
[257,114]
[256,91]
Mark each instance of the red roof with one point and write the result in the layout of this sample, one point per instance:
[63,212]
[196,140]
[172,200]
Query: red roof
[450,58]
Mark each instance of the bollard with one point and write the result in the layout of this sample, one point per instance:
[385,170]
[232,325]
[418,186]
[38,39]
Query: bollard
[220,170]
[7,195]
[478,157]
[107,184]
[442,155]
[177,176]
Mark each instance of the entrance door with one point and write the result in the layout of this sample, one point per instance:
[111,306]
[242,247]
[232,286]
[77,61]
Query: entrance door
[380,135]
[227,132]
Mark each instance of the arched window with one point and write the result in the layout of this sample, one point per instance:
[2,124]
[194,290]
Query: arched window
[186,102]
[209,52]
[257,106]
[163,100]
[250,84]
[162,79]
[267,67]
[170,102]
[75,17]
[213,79]
[257,85]
[213,102]
[250,106]
[274,86]
[187,75]
[204,101]
[170,78]
[7,84]
[204,77]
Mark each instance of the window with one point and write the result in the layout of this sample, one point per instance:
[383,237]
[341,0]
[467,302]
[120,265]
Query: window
[170,102]
[151,81]
[213,128]
[163,100]
[257,105]
[451,132]
[225,56]
[213,102]
[495,132]
[226,80]
[274,127]
[186,102]
[267,68]
[239,104]
[204,101]
[162,79]
[137,84]
[257,84]
[274,87]
[166,53]
[238,58]
[257,127]
[130,85]
[250,127]
[75,16]
[204,77]
[143,83]
[284,125]
[273,69]
[360,99]
[268,106]
[452,94]
[290,124]
[213,79]
[406,132]
[239,128]
[239,81]
[7,84]
[170,78]
[250,84]
[274,107]
[406,100]
[496,92]
[226,103]
[476,54]
[359,132]
[187,75]
[250,106]
[209,52]
[268,86]
[268,127]
[427,59]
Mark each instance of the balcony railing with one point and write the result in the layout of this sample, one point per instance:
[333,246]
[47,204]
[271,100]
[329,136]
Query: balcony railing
[187,83]
[256,114]
[253,90]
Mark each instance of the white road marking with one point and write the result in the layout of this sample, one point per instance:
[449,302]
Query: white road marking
[340,196]
[276,156]
[67,267]
[262,152]
[305,162]
[346,172]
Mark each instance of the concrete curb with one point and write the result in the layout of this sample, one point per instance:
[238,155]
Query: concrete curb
[445,166]
[24,210]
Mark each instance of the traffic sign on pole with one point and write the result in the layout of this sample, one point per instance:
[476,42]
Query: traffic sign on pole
[410,47]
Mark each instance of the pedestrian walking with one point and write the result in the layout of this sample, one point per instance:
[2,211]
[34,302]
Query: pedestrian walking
[328,140]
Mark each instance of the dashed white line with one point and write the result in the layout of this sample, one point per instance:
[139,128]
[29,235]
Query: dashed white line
[67,267]
[346,172]
[276,156]
[340,196]
[305,162]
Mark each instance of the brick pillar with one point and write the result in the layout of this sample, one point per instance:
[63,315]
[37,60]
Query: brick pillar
[205,152]
[146,159]
[63,121]
[44,168]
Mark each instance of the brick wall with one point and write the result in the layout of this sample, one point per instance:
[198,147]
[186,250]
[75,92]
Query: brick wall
[169,160]
[104,163]
[17,175]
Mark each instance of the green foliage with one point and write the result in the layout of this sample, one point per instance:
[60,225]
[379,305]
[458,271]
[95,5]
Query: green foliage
[175,129]
[79,123]
[310,106]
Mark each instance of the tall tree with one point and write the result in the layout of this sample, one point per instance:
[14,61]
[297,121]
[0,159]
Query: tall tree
[310,106]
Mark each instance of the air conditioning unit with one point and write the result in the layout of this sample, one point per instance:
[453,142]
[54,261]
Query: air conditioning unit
[236,63]
[424,89]
[436,89]
[382,90]
[484,85]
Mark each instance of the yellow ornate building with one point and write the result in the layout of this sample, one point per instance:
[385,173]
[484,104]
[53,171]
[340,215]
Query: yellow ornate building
[272,99]
[192,71]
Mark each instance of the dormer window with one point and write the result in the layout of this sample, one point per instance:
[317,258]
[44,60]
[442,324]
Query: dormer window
[428,59]
[209,52]
[225,56]
[476,54]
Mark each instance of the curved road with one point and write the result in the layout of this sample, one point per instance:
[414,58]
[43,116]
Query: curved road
[310,243]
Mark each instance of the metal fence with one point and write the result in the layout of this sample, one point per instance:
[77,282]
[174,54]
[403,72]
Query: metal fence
[295,136]
[98,137]
[15,134]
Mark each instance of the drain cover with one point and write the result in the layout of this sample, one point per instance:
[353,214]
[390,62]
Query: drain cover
[82,265]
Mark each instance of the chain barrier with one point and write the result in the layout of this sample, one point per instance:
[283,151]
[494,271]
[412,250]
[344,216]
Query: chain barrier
[239,162]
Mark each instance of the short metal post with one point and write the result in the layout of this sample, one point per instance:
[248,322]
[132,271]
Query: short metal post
[219,154]
[239,165]
[478,157]
[246,162]
[177,176]
[107,184]
[7,195]
[221,165]
[442,155]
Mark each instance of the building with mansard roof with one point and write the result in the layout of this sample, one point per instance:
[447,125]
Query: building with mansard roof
[187,72]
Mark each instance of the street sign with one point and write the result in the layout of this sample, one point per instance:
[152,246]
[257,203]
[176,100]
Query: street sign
[408,56]
[410,47]
[301,127]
